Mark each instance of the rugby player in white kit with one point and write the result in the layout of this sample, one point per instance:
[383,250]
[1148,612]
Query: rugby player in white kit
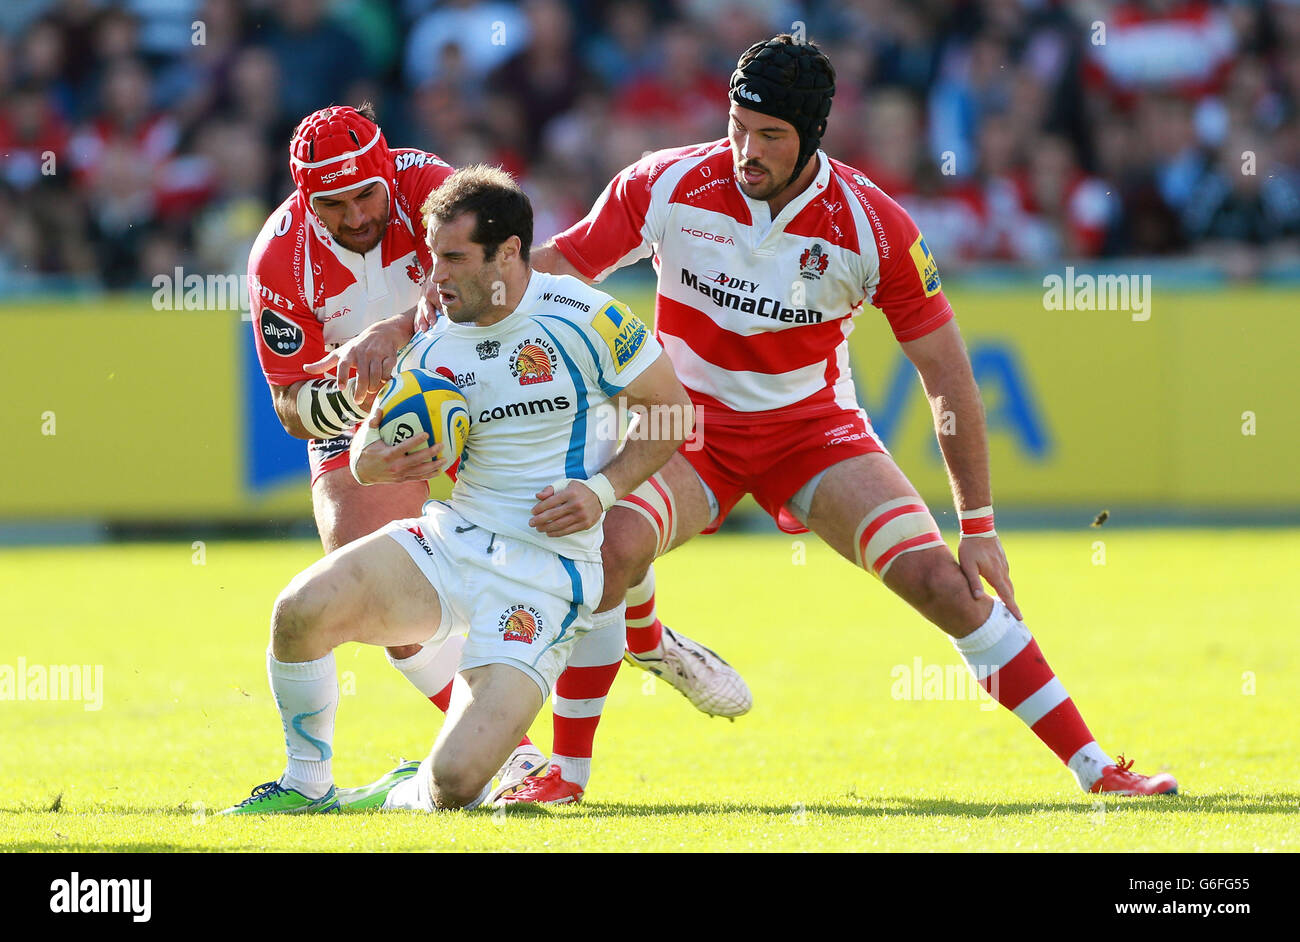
[536,355]
[335,277]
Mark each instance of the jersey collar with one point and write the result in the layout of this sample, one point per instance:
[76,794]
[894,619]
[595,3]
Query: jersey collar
[764,224]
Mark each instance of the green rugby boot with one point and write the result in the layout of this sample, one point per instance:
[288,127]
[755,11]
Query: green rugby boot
[274,798]
[366,797]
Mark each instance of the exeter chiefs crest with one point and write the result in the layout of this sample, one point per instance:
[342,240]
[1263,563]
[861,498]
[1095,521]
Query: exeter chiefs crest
[813,262]
[519,623]
[533,361]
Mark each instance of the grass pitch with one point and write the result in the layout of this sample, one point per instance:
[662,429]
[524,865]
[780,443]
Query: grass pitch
[1179,650]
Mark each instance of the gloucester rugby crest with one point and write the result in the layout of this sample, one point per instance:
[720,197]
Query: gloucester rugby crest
[813,261]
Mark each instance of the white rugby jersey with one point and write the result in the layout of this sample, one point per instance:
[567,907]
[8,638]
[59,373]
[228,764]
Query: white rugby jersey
[535,382]
[755,312]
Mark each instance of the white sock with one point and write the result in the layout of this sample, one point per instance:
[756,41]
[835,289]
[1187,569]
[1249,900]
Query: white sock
[577,771]
[603,643]
[307,694]
[1087,763]
[432,667]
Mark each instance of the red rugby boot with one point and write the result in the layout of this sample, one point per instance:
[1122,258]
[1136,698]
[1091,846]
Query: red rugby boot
[1118,780]
[548,789]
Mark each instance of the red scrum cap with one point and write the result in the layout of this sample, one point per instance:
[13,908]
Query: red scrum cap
[336,149]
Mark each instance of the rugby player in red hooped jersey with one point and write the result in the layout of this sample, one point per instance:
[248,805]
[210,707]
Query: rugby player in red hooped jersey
[765,249]
[335,278]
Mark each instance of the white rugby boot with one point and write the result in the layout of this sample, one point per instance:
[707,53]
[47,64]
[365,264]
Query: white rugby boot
[526,761]
[711,684]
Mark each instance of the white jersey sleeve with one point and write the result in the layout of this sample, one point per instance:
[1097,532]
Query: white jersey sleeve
[619,344]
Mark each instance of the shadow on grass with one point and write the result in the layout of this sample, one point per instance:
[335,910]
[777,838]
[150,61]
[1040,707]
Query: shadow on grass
[851,806]
[1285,803]
[139,847]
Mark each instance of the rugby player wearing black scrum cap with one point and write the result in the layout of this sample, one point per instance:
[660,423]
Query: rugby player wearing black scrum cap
[765,250]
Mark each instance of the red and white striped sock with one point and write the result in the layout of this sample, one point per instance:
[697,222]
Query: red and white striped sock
[579,697]
[432,670]
[1006,660]
[644,630]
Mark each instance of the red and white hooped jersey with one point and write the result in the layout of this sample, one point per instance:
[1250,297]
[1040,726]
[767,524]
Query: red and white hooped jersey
[755,312]
[308,294]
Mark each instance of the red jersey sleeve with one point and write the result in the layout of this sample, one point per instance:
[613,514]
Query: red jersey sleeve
[418,173]
[288,335]
[616,231]
[907,286]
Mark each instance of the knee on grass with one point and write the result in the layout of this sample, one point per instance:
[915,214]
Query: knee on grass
[455,785]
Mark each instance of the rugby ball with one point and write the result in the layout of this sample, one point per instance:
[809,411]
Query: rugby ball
[416,401]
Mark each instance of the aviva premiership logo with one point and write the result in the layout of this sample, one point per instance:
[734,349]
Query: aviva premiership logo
[533,361]
[519,623]
[623,332]
[925,266]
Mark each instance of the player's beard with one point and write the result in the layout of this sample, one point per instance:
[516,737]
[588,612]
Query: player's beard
[770,187]
[372,240]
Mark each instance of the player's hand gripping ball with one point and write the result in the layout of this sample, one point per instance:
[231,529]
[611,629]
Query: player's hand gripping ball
[416,401]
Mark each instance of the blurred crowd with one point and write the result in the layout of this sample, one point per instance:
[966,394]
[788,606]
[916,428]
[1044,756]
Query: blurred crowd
[139,135]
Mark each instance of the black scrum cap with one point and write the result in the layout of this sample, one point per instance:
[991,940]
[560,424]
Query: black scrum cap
[789,80]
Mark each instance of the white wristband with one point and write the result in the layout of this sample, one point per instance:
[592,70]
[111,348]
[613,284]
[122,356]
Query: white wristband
[365,437]
[598,484]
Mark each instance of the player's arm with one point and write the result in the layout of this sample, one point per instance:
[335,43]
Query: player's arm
[315,408]
[622,227]
[549,259]
[371,355]
[656,392]
[373,462]
[290,343]
[310,408]
[320,408]
[940,358]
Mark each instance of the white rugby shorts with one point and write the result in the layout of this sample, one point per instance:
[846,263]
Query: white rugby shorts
[520,604]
